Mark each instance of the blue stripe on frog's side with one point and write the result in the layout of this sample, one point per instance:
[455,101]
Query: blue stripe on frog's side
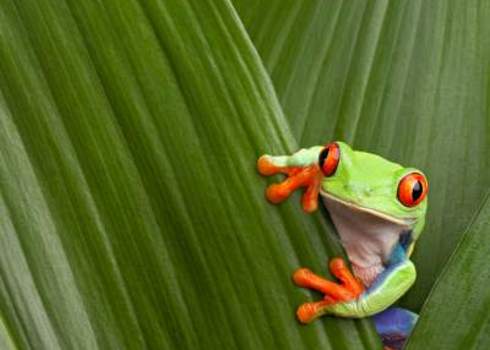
[394,325]
[406,239]
[397,259]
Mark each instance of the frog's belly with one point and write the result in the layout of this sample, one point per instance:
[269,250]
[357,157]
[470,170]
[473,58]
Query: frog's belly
[367,239]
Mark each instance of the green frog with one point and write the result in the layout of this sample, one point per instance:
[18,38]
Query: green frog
[378,208]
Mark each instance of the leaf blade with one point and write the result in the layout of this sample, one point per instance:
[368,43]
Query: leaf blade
[128,166]
[455,316]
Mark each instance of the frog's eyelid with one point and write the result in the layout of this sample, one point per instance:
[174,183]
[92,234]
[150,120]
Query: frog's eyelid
[329,158]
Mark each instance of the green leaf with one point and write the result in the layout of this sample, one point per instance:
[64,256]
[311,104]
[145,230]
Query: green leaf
[455,316]
[407,80]
[131,212]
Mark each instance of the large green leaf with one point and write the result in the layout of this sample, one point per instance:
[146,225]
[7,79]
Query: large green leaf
[456,314]
[131,212]
[404,79]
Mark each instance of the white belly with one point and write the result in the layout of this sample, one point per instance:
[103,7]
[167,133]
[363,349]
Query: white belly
[367,239]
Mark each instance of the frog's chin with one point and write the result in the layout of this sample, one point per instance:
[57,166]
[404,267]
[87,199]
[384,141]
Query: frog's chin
[403,222]
[367,235]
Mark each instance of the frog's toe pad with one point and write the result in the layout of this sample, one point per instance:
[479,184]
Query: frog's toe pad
[307,312]
[266,167]
[302,277]
[276,193]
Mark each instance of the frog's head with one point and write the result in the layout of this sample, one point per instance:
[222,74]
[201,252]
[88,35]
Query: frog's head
[373,202]
[370,184]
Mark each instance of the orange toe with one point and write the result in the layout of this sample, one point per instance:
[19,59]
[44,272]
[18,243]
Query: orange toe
[337,264]
[339,269]
[310,197]
[301,277]
[276,193]
[307,279]
[265,166]
[307,312]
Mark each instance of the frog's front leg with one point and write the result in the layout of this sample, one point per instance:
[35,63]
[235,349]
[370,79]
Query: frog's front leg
[301,169]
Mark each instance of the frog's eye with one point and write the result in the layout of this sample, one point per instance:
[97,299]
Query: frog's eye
[412,189]
[329,159]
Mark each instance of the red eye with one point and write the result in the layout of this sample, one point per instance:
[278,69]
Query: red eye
[329,159]
[412,189]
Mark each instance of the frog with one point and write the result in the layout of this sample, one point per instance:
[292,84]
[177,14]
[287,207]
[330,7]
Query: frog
[378,209]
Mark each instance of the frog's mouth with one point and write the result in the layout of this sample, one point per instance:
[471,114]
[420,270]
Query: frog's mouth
[405,223]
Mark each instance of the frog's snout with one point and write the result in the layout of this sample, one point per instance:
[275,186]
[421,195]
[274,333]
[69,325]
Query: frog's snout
[358,190]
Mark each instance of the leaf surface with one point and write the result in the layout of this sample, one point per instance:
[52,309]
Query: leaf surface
[131,212]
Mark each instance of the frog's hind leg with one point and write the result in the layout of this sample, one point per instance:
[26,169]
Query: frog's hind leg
[394,325]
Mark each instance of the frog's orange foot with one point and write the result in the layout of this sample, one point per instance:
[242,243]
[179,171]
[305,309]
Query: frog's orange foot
[339,292]
[309,176]
[349,289]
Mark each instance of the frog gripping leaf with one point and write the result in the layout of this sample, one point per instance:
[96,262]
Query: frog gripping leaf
[378,208]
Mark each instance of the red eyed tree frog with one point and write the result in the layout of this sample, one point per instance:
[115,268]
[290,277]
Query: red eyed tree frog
[378,208]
